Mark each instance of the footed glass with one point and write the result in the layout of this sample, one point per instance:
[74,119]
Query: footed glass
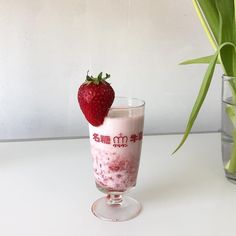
[116,148]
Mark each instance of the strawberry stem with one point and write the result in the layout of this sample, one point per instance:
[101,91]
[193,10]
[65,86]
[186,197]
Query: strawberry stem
[96,80]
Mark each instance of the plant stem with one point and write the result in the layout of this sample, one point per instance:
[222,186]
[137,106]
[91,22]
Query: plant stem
[231,167]
[233,89]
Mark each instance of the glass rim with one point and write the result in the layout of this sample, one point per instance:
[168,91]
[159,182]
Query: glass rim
[228,77]
[142,103]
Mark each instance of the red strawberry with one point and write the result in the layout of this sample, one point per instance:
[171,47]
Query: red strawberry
[95,97]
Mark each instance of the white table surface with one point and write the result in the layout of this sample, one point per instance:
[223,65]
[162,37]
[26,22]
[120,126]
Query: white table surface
[47,188]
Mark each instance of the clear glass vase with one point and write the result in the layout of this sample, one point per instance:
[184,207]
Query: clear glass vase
[228,131]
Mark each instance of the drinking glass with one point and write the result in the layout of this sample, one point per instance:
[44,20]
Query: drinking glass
[116,148]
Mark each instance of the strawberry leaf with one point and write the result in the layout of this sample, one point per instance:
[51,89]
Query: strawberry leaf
[99,76]
[96,80]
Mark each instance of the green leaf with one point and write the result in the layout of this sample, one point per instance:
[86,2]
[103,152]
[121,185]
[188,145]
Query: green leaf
[227,33]
[200,60]
[234,12]
[218,18]
[99,76]
[200,98]
[226,21]
[203,91]
[209,10]
[107,76]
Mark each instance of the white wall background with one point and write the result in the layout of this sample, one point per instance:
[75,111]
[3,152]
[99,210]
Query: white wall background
[46,47]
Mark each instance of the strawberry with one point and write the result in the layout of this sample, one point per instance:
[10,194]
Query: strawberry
[95,97]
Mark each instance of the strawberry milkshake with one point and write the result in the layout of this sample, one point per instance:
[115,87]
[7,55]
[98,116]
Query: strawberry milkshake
[116,132]
[116,148]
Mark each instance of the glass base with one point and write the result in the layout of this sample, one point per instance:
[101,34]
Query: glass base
[230,177]
[122,209]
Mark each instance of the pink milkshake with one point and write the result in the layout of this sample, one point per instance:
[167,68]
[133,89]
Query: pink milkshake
[116,132]
[116,148]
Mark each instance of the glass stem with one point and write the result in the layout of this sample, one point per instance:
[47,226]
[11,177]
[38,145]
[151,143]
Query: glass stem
[114,199]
